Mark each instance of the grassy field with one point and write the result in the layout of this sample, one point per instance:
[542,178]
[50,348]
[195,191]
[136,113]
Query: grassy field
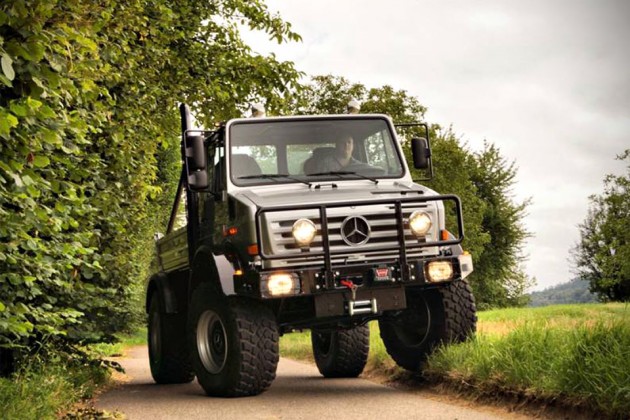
[49,386]
[577,355]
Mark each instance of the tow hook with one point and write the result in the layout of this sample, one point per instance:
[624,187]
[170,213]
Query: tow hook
[358,307]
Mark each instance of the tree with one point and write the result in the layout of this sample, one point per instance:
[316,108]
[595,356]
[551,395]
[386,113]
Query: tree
[499,273]
[483,181]
[89,129]
[602,255]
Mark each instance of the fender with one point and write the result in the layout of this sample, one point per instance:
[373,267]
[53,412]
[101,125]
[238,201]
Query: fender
[212,268]
[168,301]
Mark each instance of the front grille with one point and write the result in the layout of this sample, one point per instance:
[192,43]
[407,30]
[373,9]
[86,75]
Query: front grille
[383,243]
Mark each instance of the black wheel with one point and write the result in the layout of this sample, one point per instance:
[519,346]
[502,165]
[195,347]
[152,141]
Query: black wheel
[342,353]
[432,317]
[168,354]
[234,343]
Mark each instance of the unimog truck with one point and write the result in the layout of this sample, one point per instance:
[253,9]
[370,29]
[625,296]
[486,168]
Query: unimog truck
[303,223]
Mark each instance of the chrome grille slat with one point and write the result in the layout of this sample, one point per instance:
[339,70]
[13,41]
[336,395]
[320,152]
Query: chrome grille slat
[316,261]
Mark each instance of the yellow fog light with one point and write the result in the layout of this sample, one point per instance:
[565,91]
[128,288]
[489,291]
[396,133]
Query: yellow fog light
[280,284]
[439,271]
[419,223]
[304,232]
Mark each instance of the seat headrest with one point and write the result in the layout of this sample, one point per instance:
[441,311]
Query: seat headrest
[244,165]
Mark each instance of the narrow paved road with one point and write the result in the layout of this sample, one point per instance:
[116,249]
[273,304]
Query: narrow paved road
[299,392]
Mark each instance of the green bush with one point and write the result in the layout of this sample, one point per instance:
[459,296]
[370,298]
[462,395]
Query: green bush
[89,147]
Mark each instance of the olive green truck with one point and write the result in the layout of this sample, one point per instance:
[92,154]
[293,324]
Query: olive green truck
[303,223]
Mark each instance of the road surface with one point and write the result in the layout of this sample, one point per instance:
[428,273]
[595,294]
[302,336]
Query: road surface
[299,392]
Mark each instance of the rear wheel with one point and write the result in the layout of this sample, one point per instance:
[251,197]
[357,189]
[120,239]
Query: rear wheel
[168,354]
[342,353]
[432,317]
[234,344]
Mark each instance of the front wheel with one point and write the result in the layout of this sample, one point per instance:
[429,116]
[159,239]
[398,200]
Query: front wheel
[342,353]
[432,317]
[234,344]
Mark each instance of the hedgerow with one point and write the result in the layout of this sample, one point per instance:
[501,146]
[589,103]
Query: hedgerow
[89,150]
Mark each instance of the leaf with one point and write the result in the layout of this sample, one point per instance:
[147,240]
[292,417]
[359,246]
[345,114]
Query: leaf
[41,161]
[17,179]
[7,121]
[51,137]
[7,66]
[17,109]
[34,104]
[2,307]
[6,81]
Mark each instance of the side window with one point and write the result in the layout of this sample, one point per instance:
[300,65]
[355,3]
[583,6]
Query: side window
[216,168]
[380,152]
[377,151]
[264,156]
[181,218]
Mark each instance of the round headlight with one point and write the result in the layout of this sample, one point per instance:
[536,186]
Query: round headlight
[304,232]
[419,223]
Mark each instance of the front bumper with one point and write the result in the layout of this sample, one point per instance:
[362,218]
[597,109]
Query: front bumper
[341,281]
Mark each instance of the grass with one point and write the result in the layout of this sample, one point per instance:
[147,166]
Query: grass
[578,355]
[46,388]
[116,349]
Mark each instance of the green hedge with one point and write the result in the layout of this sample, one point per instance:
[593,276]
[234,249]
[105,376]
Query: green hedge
[89,151]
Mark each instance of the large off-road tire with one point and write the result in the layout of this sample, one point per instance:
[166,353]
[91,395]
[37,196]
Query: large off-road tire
[168,353]
[447,314]
[342,353]
[234,343]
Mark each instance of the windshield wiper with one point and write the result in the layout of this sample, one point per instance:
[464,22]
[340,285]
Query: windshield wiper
[274,177]
[340,173]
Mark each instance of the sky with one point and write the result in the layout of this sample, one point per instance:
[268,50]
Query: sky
[548,82]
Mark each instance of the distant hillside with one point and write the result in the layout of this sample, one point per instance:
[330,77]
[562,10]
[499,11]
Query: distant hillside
[575,291]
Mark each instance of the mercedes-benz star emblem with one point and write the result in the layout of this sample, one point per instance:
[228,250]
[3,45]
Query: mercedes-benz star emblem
[355,230]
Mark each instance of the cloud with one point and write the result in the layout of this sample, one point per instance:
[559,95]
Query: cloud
[546,81]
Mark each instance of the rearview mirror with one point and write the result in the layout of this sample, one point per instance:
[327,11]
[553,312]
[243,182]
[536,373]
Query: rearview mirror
[196,153]
[196,162]
[198,180]
[421,152]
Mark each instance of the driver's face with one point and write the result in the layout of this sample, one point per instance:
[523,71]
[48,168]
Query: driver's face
[345,146]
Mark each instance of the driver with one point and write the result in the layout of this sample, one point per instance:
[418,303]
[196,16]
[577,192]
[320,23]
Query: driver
[342,157]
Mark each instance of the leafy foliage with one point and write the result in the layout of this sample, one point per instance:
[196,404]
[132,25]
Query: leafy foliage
[89,149]
[483,181]
[499,276]
[602,255]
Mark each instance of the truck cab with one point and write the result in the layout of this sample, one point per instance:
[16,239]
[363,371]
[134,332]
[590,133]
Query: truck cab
[305,222]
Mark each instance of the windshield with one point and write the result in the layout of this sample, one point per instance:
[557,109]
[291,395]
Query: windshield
[282,151]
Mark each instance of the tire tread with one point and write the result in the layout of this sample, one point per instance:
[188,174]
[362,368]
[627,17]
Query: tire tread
[258,338]
[455,307]
[350,353]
